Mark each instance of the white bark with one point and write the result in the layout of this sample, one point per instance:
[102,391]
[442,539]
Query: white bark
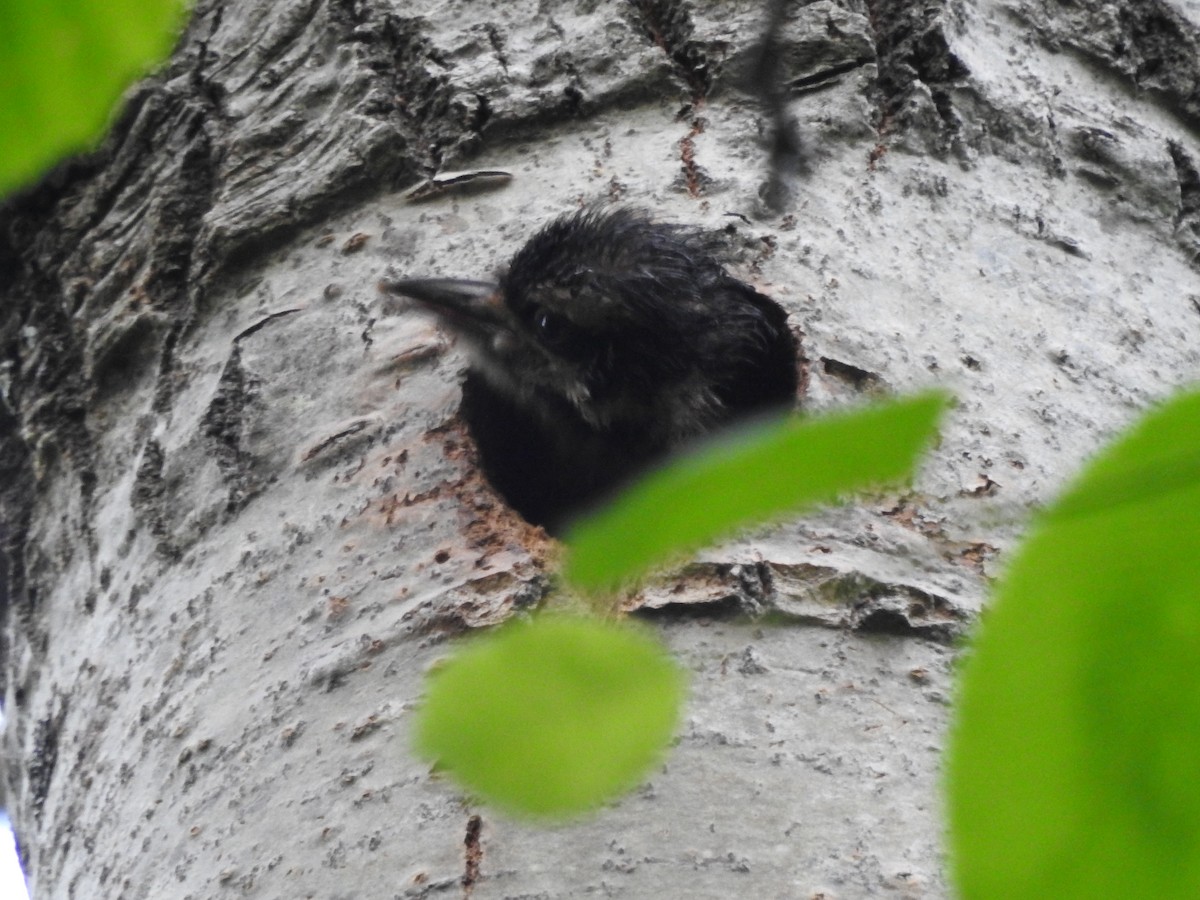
[241,517]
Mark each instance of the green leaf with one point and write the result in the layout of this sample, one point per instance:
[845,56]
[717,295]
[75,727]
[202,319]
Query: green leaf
[63,65]
[552,717]
[1074,767]
[756,475]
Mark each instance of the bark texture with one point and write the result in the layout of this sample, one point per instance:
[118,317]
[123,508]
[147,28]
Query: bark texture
[239,514]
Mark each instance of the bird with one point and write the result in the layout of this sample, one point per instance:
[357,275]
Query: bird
[610,341]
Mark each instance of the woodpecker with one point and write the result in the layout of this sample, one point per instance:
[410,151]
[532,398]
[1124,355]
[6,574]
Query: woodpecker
[609,341]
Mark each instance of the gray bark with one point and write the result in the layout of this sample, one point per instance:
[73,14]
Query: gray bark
[240,516]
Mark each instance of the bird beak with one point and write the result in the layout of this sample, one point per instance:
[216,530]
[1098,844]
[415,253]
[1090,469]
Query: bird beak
[471,306]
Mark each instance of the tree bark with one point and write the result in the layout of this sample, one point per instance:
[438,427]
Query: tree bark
[240,516]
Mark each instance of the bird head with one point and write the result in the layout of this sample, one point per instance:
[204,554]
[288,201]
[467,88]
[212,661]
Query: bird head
[606,314]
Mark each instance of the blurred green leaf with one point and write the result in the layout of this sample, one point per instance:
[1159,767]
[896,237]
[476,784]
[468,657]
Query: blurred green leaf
[63,65]
[552,717]
[1074,768]
[756,475]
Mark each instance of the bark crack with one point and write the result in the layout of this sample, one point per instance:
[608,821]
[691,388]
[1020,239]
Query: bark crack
[1187,219]
[474,855]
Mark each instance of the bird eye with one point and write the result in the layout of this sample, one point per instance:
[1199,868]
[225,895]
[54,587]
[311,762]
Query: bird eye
[559,334]
[551,327]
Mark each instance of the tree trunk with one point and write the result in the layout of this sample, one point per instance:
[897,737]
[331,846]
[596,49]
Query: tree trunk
[240,515]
